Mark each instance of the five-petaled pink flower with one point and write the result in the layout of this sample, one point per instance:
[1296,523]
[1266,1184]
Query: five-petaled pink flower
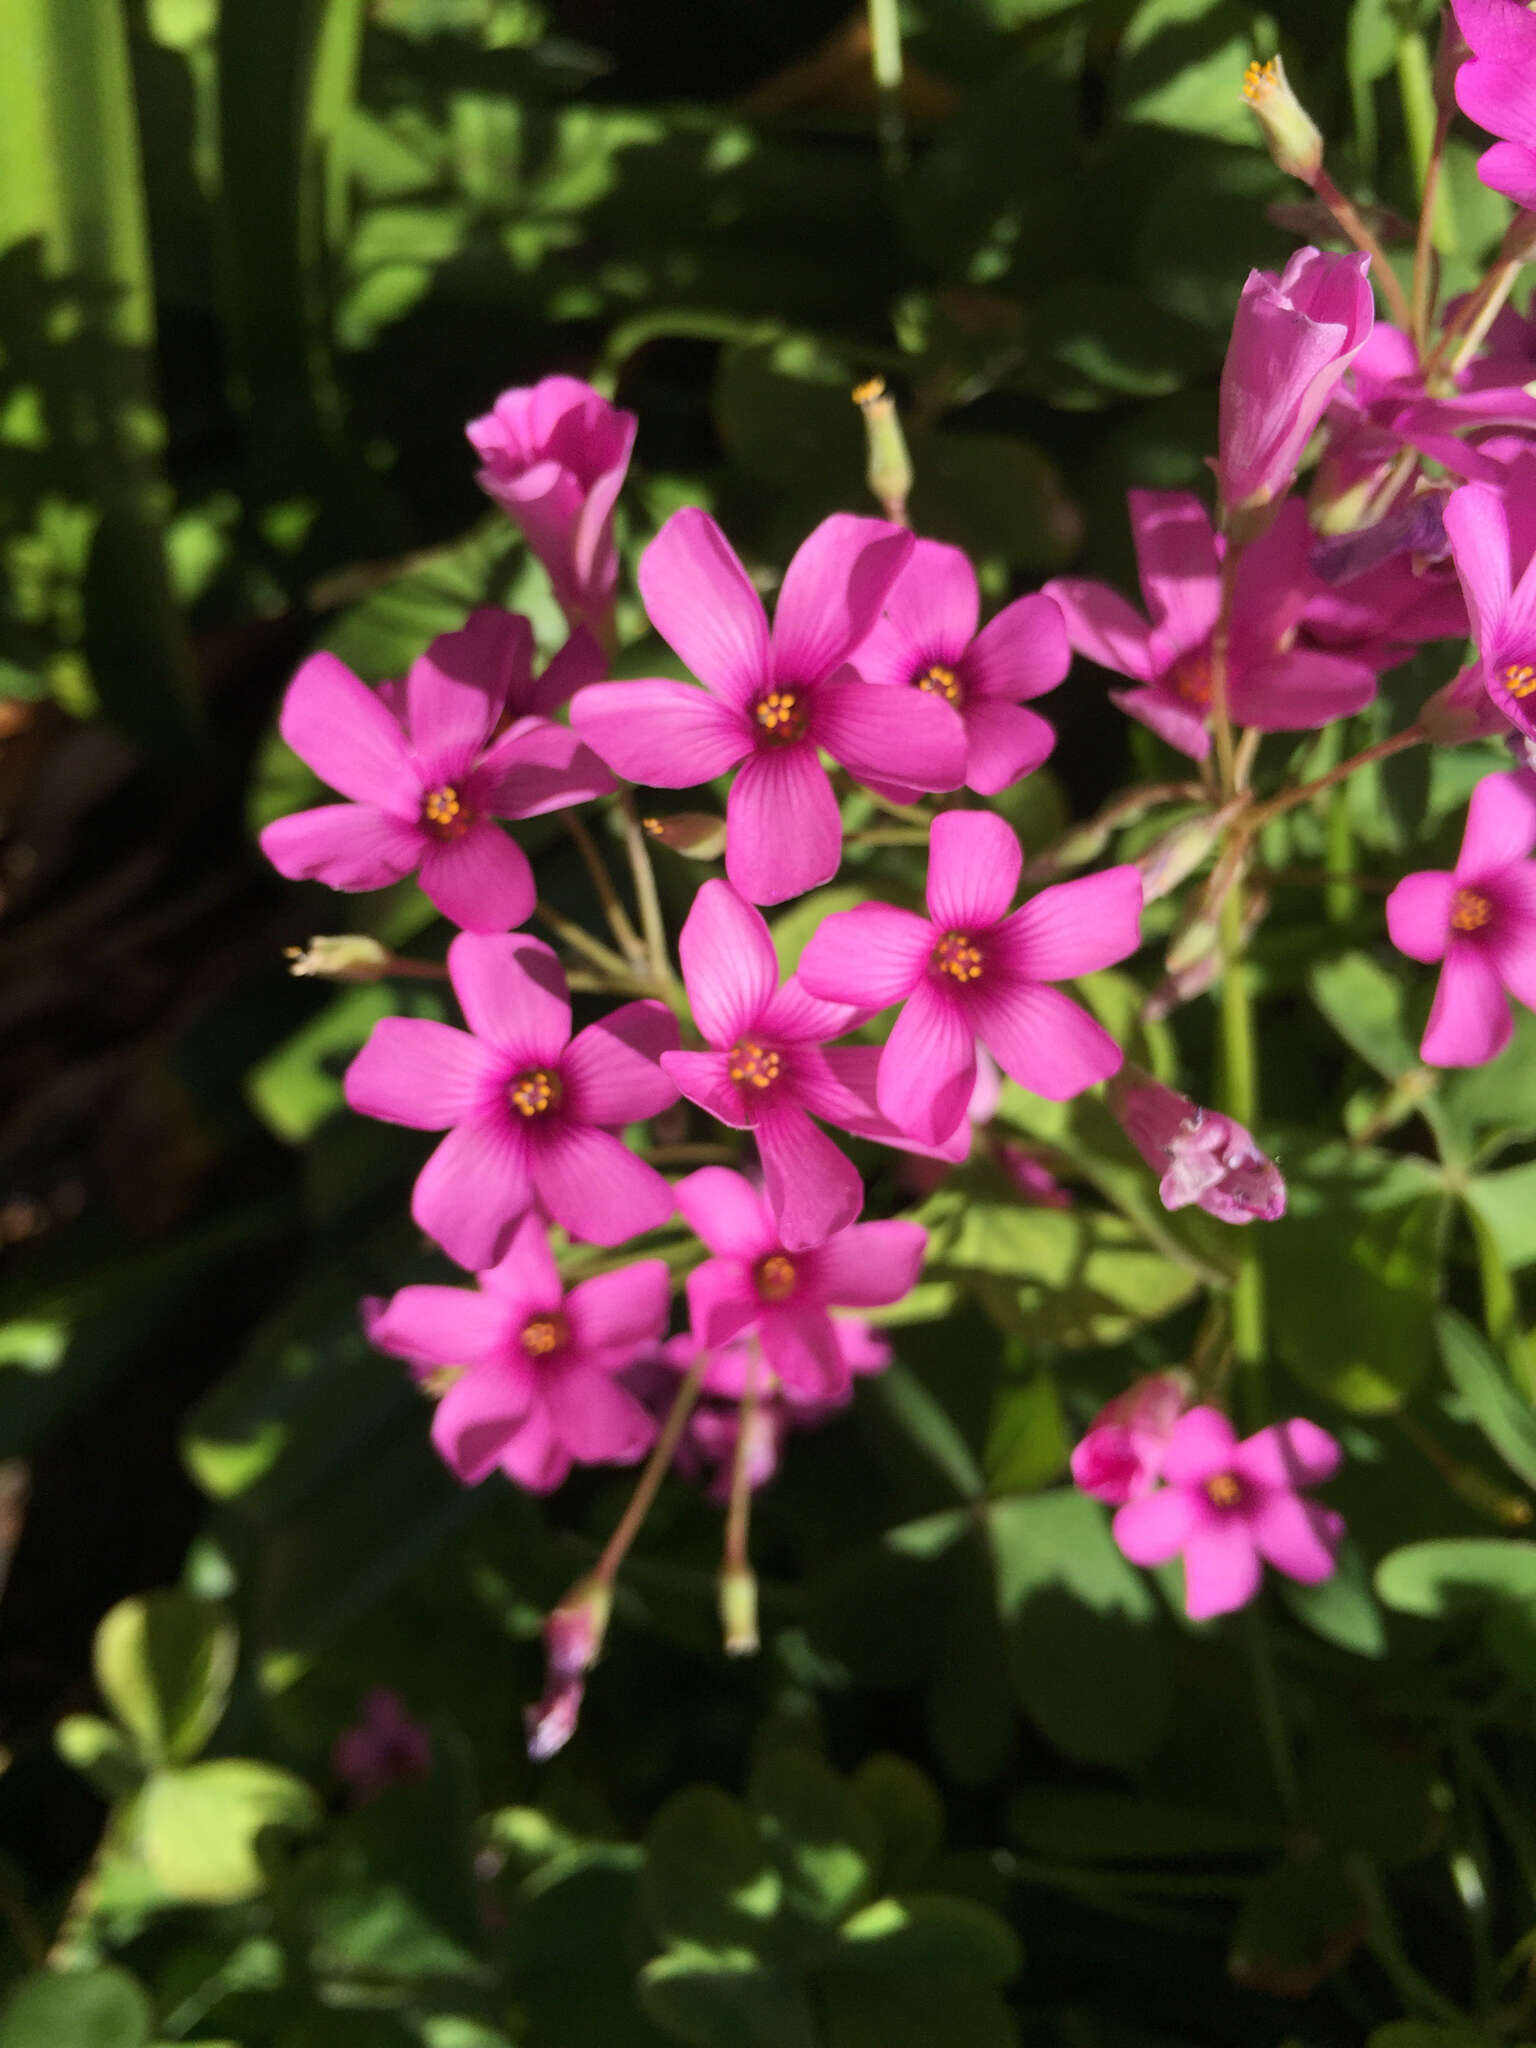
[553,455]
[927,640]
[1120,1456]
[969,972]
[1230,1508]
[755,1282]
[1493,544]
[536,1385]
[530,1111]
[1201,1155]
[428,771]
[1497,90]
[1481,920]
[1293,338]
[1271,682]
[772,703]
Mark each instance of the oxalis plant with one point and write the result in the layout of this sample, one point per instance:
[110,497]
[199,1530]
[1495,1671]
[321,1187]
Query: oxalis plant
[856,1074]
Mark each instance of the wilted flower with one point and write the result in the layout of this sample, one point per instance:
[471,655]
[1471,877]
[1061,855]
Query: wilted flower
[573,1640]
[1201,1155]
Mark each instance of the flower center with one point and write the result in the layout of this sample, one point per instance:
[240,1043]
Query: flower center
[443,812]
[1191,679]
[775,1277]
[1519,678]
[957,955]
[437,1382]
[1259,81]
[754,1065]
[545,1334]
[1470,910]
[1224,1490]
[535,1092]
[783,716]
[940,681]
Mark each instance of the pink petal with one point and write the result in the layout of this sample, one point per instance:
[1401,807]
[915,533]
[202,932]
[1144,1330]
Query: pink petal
[579,662]
[1042,1038]
[512,992]
[813,1188]
[1161,711]
[1479,535]
[701,602]
[472,1191]
[929,616]
[1297,691]
[1294,1453]
[492,650]
[1298,1537]
[1004,743]
[1102,625]
[1202,1445]
[705,1078]
[1501,826]
[832,594]
[974,860]
[799,1343]
[721,1300]
[596,1188]
[417,1072]
[1469,1020]
[726,1212]
[1156,1527]
[729,966]
[1073,927]
[1512,944]
[1495,89]
[1023,652]
[928,1068]
[1419,914]
[1510,168]
[1176,561]
[612,1071]
[525,1276]
[536,767]
[671,735]
[535,1458]
[342,730]
[882,735]
[346,846]
[449,712]
[434,1326]
[620,1311]
[476,1417]
[868,1266]
[482,882]
[783,833]
[598,1421]
[868,957]
[795,1017]
[1221,1568]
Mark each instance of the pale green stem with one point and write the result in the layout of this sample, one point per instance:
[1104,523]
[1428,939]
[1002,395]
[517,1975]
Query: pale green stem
[886,62]
[1266,1699]
[1240,1098]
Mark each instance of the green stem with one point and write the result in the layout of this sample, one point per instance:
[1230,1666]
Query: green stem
[1419,1997]
[1240,1098]
[1266,1699]
[886,61]
[1341,899]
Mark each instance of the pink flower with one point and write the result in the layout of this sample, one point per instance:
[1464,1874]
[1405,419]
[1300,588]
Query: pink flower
[383,1747]
[1292,340]
[1229,1508]
[772,704]
[1120,1457]
[1271,683]
[1497,90]
[426,785]
[770,1071]
[1493,543]
[1202,1156]
[553,456]
[754,1282]
[1481,920]
[538,1387]
[529,1110]
[926,639]
[968,972]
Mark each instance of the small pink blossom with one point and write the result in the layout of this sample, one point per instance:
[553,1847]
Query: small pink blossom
[772,704]
[383,1746]
[1201,1155]
[1497,90]
[1230,1508]
[1480,919]
[1120,1456]
[428,769]
[554,455]
[754,1282]
[969,972]
[530,1111]
[537,1385]
[1493,543]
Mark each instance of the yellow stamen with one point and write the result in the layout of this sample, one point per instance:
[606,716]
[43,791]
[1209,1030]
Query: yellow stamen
[1260,80]
[940,681]
[1470,910]
[535,1092]
[443,812]
[1224,1490]
[758,1066]
[1519,678]
[781,714]
[869,391]
[958,955]
[545,1334]
[776,1277]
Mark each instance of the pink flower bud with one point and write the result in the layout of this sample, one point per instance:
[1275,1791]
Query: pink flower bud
[573,1637]
[1121,1456]
[1203,1156]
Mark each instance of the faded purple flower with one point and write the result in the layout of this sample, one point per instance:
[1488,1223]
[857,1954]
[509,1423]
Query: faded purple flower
[384,1746]
[1202,1156]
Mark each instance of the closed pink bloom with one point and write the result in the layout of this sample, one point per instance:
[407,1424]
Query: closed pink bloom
[1480,919]
[428,769]
[1272,683]
[755,1282]
[971,973]
[1230,1508]
[538,1386]
[383,1747]
[1493,544]
[1033,1179]
[1293,338]
[530,1111]
[926,639]
[1497,90]
[1202,1156]
[554,455]
[772,703]
[1121,1454]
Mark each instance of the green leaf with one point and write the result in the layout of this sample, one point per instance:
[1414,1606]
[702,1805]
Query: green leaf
[100,1751]
[1026,1438]
[1343,1609]
[913,2012]
[926,1935]
[1452,1574]
[76,2009]
[1365,1004]
[707,1878]
[1181,66]
[819,1834]
[908,1813]
[1479,1376]
[1299,1923]
[198,1829]
[165,1661]
[1090,1824]
[1507,1204]
[726,2001]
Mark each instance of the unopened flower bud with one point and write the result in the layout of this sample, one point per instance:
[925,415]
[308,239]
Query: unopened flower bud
[1202,1156]
[1197,940]
[698,835]
[1460,710]
[888,466]
[351,957]
[1120,1457]
[573,1637]
[1175,857]
[738,1610]
[1290,133]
